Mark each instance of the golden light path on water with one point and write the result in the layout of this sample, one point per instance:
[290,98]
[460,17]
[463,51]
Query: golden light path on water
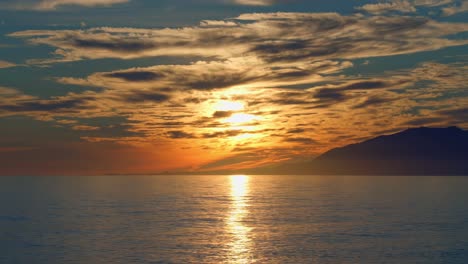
[240,245]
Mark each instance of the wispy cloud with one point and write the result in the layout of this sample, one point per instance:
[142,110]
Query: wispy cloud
[261,2]
[254,2]
[410,6]
[48,5]
[432,3]
[273,37]
[455,9]
[379,8]
[206,76]
[7,94]
[283,73]
[6,64]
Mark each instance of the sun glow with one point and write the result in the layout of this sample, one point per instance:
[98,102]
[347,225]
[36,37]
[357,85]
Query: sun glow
[243,137]
[239,186]
[239,118]
[241,244]
[224,105]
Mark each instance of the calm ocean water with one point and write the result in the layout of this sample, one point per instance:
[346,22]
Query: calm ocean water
[233,219]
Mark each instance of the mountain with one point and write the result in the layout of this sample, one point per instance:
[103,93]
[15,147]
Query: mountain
[416,151]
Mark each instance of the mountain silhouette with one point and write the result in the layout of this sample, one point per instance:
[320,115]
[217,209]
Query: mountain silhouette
[416,151]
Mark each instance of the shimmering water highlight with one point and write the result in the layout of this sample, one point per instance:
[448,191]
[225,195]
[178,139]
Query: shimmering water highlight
[233,219]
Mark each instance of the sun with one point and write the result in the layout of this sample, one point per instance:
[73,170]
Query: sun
[237,113]
[240,118]
[239,185]
[225,105]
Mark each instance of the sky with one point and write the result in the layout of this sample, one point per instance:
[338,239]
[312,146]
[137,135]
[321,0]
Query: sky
[92,87]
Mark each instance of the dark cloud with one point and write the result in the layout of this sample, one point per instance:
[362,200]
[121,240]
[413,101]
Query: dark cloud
[193,100]
[215,80]
[280,46]
[458,113]
[288,98]
[290,102]
[399,26]
[424,121]
[202,76]
[138,97]
[296,131]
[299,140]
[222,134]
[294,73]
[135,76]
[177,134]
[444,117]
[343,92]
[288,52]
[222,114]
[371,101]
[118,45]
[168,124]
[370,85]
[46,106]
[365,85]
[329,94]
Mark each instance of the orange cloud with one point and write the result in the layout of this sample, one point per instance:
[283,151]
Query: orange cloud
[282,76]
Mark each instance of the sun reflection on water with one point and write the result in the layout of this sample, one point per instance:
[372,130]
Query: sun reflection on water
[240,246]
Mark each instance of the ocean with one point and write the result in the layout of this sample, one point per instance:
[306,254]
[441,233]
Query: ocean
[233,219]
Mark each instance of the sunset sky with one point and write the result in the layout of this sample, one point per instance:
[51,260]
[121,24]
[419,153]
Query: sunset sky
[91,87]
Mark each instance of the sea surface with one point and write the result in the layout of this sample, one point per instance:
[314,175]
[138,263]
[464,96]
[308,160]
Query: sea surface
[233,219]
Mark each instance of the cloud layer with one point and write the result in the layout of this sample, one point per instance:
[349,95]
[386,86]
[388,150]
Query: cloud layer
[270,83]
[445,7]
[274,37]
